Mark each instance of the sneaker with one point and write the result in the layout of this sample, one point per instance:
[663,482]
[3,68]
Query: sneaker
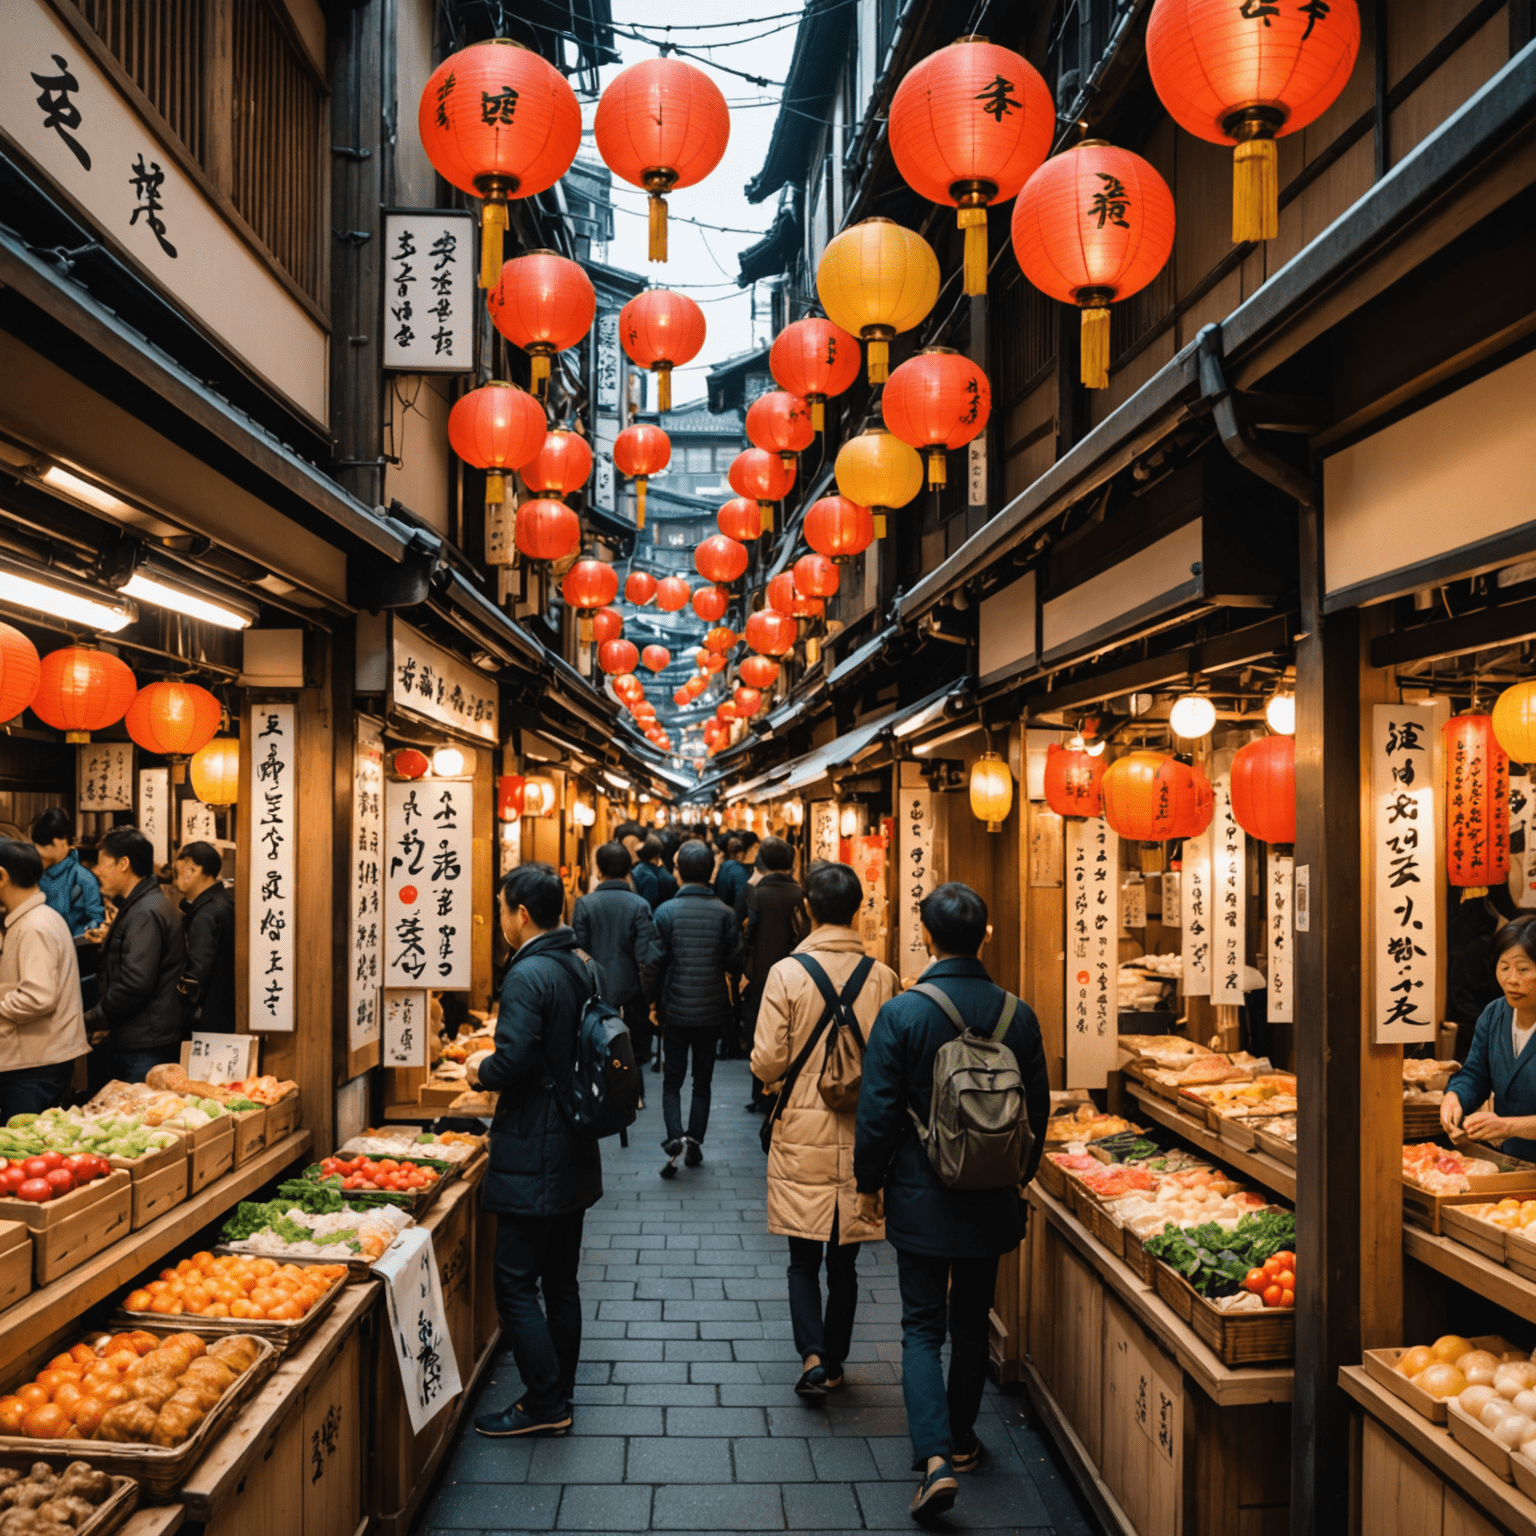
[694,1155]
[516,1421]
[935,1494]
[968,1461]
[812,1385]
[672,1145]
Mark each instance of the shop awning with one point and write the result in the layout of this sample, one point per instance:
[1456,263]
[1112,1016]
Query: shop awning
[843,749]
[861,654]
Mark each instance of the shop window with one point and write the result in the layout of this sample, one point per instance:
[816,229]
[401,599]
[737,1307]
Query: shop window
[1025,340]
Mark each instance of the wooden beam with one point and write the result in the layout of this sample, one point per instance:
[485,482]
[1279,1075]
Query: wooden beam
[1488,627]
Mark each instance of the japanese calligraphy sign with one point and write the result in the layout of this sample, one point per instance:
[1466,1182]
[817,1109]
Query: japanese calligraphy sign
[867,856]
[221,1057]
[1229,888]
[155,811]
[104,775]
[915,876]
[1406,901]
[1277,923]
[428,892]
[1522,835]
[1093,958]
[1196,914]
[610,367]
[366,944]
[430,278]
[976,476]
[199,824]
[271,771]
[824,835]
[418,1325]
[500,528]
[435,684]
[1133,903]
[1476,803]
[406,1027]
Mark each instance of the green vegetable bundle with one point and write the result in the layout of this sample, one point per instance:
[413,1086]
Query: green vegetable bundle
[1215,1260]
[253,1216]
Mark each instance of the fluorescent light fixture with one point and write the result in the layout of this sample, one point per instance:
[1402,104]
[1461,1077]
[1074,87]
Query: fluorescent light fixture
[87,491]
[148,590]
[68,603]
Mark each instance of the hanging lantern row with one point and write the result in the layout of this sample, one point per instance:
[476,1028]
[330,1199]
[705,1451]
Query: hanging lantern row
[814,359]
[784,597]
[497,428]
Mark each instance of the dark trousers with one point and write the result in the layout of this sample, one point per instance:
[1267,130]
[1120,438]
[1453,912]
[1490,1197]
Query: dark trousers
[534,1253]
[31,1090]
[677,1045]
[829,1336]
[941,1418]
[636,1014]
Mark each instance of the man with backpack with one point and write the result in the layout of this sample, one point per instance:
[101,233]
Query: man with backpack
[951,1124]
[612,922]
[817,1008]
[771,911]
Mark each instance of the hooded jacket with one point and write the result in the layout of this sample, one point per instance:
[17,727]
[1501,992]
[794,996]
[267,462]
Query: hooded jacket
[142,960]
[701,945]
[71,890]
[613,924]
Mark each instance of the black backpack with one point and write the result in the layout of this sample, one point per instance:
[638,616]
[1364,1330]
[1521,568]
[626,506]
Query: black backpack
[604,1090]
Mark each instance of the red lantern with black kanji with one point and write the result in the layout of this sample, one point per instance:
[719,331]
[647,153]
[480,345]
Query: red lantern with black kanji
[544,303]
[656,658]
[785,597]
[1194,801]
[762,477]
[779,422]
[1074,781]
[740,519]
[1476,805]
[497,428]
[815,576]
[838,528]
[720,560]
[640,451]
[710,603]
[672,594]
[81,690]
[589,585]
[720,639]
[173,720]
[661,330]
[20,672]
[747,702]
[618,657]
[547,530]
[607,624]
[561,467]
[937,400]
[1264,789]
[771,633]
[1151,797]
[758,671]
[814,359]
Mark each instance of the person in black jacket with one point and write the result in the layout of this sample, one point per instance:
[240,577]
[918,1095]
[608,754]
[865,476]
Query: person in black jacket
[142,960]
[543,1174]
[613,924]
[701,947]
[947,1241]
[773,919]
[660,879]
[207,984]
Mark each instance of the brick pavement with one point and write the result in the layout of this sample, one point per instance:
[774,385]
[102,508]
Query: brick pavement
[686,1419]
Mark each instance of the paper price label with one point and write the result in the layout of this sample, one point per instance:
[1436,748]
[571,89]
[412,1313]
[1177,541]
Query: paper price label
[221,1058]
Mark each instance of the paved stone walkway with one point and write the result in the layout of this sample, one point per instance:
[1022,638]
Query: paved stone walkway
[685,1415]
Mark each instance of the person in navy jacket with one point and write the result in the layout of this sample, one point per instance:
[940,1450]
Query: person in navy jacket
[1502,1060]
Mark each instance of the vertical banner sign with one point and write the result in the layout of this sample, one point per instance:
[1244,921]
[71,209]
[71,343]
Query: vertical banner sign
[976,479]
[1282,958]
[199,824]
[367,891]
[406,1028]
[1406,872]
[915,876]
[105,773]
[868,858]
[1229,872]
[429,1373]
[428,901]
[1093,926]
[500,530]
[609,368]
[271,768]
[824,835]
[155,811]
[1522,840]
[1195,910]
[429,291]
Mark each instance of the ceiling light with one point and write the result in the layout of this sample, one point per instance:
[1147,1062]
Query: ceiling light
[1281,714]
[68,603]
[148,590]
[88,492]
[1192,716]
[1096,748]
[447,762]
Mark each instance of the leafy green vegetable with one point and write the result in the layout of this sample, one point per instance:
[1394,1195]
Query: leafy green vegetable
[1215,1260]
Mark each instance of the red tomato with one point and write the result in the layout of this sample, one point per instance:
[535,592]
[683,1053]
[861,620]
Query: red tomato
[1272,1296]
[349,1182]
[387,1165]
[1287,1298]
[1272,1265]
[60,1181]
[53,1160]
[1255,1280]
[12,1179]
[35,1168]
[1286,1260]
[1286,1280]
[37,1190]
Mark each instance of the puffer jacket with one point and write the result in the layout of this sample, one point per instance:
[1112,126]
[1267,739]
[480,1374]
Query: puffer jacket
[71,890]
[539,1164]
[142,959]
[810,1161]
[701,945]
[613,924]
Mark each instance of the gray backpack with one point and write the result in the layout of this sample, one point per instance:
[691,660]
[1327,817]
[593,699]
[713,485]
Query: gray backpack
[977,1136]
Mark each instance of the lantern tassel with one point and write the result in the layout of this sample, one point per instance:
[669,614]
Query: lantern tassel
[765,516]
[493,224]
[640,502]
[1094,346]
[538,372]
[938,473]
[879,360]
[974,222]
[1255,191]
[495,488]
[878,519]
[1474,892]
[658,228]
[664,386]
[818,416]
[584,627]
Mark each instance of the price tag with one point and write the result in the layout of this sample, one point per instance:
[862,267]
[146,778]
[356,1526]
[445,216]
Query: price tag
[429,1372]
[221,1058]
[405,1026]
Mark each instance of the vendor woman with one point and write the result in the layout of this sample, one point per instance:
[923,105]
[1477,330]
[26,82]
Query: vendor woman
[1502,1060]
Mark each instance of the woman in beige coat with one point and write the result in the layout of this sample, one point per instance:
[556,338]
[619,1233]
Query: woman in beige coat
[811,1197]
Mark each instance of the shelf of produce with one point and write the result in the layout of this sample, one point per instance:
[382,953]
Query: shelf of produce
[1222,1384]
[1433,1443]
[162,1520]
[1258,1166]
[1503,1287]
[27,1329]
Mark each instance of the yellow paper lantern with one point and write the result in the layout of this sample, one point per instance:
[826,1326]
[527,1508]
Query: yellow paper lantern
[215,771]
[991,791]
[1514,722]
[879,471]
[877,279]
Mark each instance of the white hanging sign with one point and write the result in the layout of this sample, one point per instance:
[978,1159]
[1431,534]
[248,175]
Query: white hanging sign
[199,822]
[976,479]
[428,892]
[1133,904]
[104,771]
[915,875]
[155,811]
[219,1057]
[1282,957]
[429,291]
[1093,925]
[1522,817]
[435,684]
[610,369]
[271,772]
[418,1325]
[1229,881]
[366,941]
[407,1026]
[1195,912]
[824,833]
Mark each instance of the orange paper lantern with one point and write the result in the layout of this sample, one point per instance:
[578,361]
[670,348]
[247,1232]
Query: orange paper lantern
[714,661]
[814,359]
[720,639]
[747,702]
[547,530]
[762,477]
[838,528]
[758,671]
[173,720]
[657,658]
[1151,797]
[640,451]
[562,466]
[771,633]
[639,588]
[720,560]
[740,519]
[672,594]
[1476,805]
[81,690]
[785,597]
[779,422]
[661,330]
[497,428]
[937,400]
[543,303]
[607,624]
[618,658]
[20,671]
[710,603]
[1264,789]
[590,584]
[815,576]
[1074,781]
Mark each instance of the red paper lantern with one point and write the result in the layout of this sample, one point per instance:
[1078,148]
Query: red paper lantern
[543,303]
[1074,781]
[607,624]
[779,422]
[661,330]
[814,359]
[771,633]
[720,639]
[758,671]
[785,597]
[1194,802]
[968,126]
[410,764]
[643,709]
[747,701]
[617,658]
[640,451]
[682,697]
[656,657]
[762,477]
[710,603]
[815,576]
[740,519]
[1095,224]
[1264,789]
[590,584]
[510,796]
[672,594]
[563,465]
[547,530]
[937,400]
[725,712]
[20,672]
[639,588]
[80,691]
[628,687]
[661,124]
[714,661]
[173,719]
[720,560]
[1476,805]
[497,428]
[1247,75]
[1151,797]
[839,528]
[497,121]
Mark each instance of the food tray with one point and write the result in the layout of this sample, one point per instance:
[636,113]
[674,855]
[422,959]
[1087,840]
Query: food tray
[1236,1131]
[1381,1367]
[1471,1436]
[1524,1470]
[159,1470]
[113,1511]
[1277,1147]
[1473,1232]
[1107,1230]
[1520,1254]
[1426,1210]
[282,1117]
[250,1133]
[286,1336]
[71,1229]
[418,1204]
[1137,1259]
[1235,1338]
[1421,1122]
[1053,1179]
[358,1268]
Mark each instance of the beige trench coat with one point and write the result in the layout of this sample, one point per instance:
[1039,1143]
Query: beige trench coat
[810,1164]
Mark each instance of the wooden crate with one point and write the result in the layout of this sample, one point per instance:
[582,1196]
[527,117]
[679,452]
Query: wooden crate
[1473,1232]
[1051,1177]
[250,1133]
[69,1230]
[1421,1122]
[159,1192]
[282,1118]
[15,1262]
[1236,1131]
[1381,1366]
[1137,1259]
[1469,1433]
[1277,1147]
[1426,1210]
[1235,1338]
[1174,1289]
[1108,1231]
[333,1447]
[1520,1254]
[287,1336]
[210,1153]
[454,1242]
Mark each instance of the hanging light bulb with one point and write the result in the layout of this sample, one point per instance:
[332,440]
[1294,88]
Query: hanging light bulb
[447,762]
[1192,716]
[1280,712]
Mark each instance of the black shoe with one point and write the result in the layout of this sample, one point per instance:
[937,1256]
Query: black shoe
[514,1421]
[656,1066]
[834,1377]
[935,1494]
[672,1145]
[694,1155]
[968,1461]
[813,1385]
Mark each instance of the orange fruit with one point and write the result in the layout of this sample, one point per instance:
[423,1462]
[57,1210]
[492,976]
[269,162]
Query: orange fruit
[32,1395]
[45,1423]
[67,1396]
[82,1354]
[117,1392]
[60,1363]
[138,1301]
[217,1309]
[12,1412]
[88,1415]
[170,1305]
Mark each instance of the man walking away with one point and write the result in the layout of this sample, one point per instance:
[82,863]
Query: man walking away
[947,1240]
[42,1024]
[811,1197]
[543,1173]
[771,913]
[663,880]
[734,871]
[142,961]
[701,947]
[613,924]
[67,885]
[207,984]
